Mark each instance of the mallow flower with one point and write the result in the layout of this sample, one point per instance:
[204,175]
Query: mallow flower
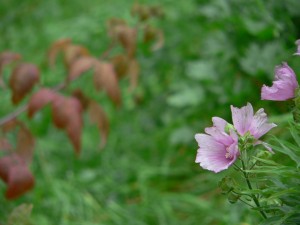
[219,147]
[247,123]
[284,86]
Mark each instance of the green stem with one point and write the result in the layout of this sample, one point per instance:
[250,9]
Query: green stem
[250,187]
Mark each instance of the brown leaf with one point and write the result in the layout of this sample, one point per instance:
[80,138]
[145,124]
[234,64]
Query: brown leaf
[98,116]
[84,101]
[120,63]
[80,66]
[127,37]
[11,124]
[67,115]
[72,53]
[39,99]
[5,145]
[154,34]
[105,78]
[113,25]
[5,163]
[134,71]
[25,144]
[20,180]
[22,80]
[54,50]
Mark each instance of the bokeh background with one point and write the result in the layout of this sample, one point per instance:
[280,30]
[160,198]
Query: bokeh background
[216,54]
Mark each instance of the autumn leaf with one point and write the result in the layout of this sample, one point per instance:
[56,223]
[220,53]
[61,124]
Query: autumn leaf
[25,144]
[120,63]
[80,66]
[105,78]
[22,80]
[20,180]
[66,114]
[127,36]
[72,53]
[84,101]
[39,99]
[56,48]
[98,116]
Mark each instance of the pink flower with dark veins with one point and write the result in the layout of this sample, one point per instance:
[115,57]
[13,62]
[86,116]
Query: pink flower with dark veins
[217,149]
[284,86]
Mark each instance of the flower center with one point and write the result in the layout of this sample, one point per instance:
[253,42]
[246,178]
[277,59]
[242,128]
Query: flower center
[228,154]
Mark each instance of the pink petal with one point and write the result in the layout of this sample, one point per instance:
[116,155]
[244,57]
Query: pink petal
[219,123]
[212,155]
[242,118]
[283,87]
[260,125]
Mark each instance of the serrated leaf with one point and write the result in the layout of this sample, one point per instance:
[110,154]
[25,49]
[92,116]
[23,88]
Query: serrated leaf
[40,99]
[98,116]
[105,78]
[22,80]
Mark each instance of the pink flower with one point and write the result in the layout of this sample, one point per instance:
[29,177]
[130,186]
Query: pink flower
[217,149]
[283,87]
[244,121]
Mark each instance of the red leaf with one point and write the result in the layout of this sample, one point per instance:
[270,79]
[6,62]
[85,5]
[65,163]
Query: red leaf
[120,63]
[57,47]
[84,101]
[80,66]
[98,116]
[23,78]
[5,145]
[20,180]
[39,99]
[74,52]
[127,37]
[105,78]
[25,144]
[67,116]
[5,163]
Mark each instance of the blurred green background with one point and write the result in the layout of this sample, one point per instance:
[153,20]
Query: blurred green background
[216,53]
